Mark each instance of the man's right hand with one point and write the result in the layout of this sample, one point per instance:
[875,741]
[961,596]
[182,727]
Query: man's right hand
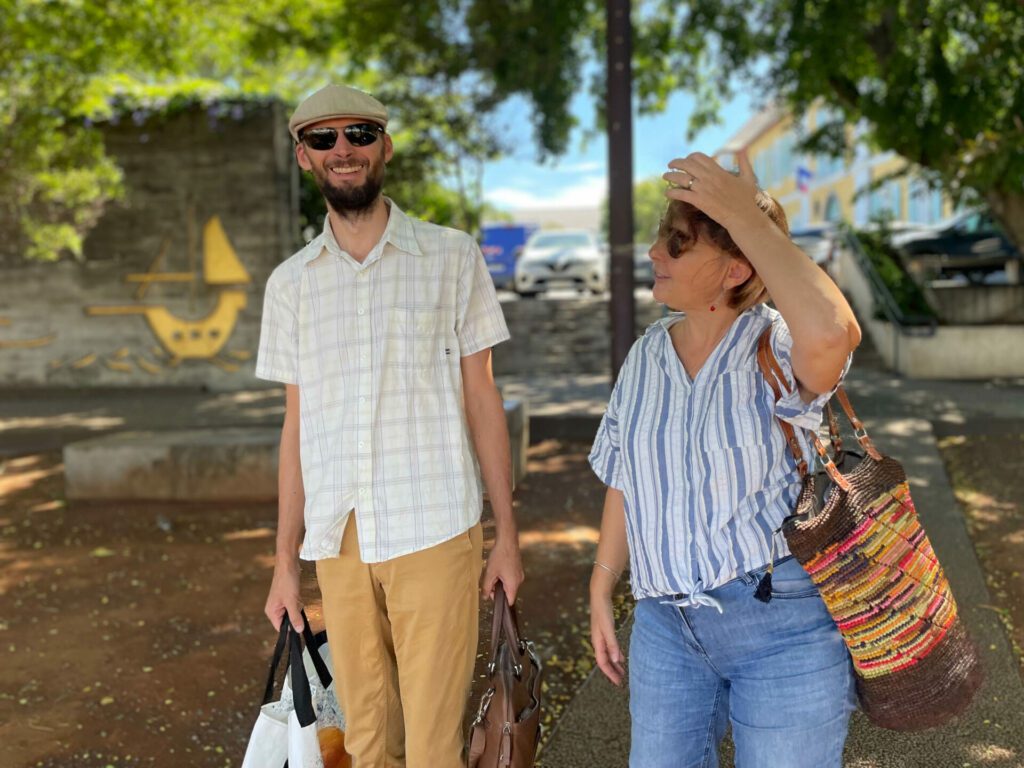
[284,596]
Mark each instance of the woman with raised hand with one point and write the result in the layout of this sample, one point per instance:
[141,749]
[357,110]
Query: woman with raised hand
[728,627]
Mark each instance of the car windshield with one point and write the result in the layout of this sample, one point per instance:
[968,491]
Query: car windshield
[806,241]
[967,222]
[561,240]
[812,232]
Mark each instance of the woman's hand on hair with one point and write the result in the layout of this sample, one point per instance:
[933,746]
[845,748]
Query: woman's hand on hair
[724,196]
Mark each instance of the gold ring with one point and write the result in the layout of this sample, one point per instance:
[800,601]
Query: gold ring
[689,186]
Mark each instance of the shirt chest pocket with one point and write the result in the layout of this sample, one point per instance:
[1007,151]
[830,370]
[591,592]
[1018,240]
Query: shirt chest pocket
[418,338]
[737,413]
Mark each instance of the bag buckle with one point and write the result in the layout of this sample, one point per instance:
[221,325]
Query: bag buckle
[485,702]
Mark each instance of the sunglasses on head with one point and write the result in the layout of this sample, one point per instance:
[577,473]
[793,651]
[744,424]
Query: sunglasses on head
[357,134]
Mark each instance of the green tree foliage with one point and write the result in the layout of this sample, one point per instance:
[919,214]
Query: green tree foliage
[936,81]
[906,293]
[649,205]
[67,65]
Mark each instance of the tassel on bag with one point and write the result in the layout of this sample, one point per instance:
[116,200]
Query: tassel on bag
[764,586]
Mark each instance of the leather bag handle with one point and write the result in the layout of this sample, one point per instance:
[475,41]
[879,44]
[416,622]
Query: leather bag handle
[311,643]
[505,623]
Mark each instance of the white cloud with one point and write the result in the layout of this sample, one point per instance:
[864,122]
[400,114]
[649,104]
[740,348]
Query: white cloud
[586,192]
[587,166]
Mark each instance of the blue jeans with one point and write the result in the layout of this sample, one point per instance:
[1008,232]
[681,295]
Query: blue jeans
[778,671]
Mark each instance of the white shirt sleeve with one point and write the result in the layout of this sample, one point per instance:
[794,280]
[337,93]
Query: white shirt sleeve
[479,321]
[278,356]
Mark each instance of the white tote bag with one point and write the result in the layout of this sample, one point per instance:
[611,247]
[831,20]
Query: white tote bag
[286,729]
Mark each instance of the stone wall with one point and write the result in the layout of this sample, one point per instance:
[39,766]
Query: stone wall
[977,304]
[562,336]
[953,351]
[170,288]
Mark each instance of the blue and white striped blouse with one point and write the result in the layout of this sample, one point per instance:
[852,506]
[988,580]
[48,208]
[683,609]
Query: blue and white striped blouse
[702,464]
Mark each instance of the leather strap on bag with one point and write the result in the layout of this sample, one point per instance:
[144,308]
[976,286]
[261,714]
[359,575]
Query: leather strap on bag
[772,372]
[776,378]
[504,620]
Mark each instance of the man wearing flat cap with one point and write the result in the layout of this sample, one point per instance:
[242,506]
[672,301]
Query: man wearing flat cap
[381,329]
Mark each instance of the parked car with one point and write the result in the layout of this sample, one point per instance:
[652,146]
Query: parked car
[501,245]
[819,241]
[643,267]
[564,257]
[970,243]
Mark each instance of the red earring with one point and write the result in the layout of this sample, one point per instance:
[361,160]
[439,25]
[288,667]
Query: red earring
[712,307]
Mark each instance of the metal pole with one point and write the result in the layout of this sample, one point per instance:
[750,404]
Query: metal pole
[620,178]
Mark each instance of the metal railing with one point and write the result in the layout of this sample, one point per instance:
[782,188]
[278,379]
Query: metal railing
[903,324]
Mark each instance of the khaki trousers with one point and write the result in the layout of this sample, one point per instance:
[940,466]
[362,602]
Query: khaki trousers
[403,637]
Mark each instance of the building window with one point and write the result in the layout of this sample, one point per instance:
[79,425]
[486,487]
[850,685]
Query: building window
[833,211]
[936,206]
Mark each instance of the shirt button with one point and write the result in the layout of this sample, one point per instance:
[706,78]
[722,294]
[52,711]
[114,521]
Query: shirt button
[362,401]
[362,310]
[362,444]
[362,491]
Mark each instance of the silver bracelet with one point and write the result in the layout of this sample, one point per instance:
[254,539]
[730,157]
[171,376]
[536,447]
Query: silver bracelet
[613,572]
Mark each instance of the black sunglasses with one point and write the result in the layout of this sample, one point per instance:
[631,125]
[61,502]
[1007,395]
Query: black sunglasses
[357,134]
[677,242]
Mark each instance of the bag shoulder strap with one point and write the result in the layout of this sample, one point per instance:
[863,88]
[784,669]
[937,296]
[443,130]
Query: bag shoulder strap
[772,372]
[776,378]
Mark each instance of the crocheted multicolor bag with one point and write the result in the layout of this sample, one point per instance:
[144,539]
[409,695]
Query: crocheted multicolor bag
[857,534]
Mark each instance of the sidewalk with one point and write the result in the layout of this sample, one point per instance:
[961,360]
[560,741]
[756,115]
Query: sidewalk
[899,414]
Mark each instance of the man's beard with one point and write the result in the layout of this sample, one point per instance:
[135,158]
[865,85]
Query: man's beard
[349,199]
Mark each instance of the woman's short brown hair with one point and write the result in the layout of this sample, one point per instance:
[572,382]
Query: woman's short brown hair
[692,224]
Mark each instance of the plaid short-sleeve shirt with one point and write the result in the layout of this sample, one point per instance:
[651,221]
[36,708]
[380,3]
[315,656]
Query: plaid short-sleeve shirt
[375,350]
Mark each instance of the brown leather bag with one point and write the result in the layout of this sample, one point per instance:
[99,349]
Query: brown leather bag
[506,730]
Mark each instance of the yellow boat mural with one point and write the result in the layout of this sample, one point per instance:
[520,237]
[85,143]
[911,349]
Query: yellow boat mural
[201,339]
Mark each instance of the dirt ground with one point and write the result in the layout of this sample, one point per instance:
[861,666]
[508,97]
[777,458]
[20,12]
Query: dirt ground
[133,634]
[987,474]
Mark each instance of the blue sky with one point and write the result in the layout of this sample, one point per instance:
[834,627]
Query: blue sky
[579,178]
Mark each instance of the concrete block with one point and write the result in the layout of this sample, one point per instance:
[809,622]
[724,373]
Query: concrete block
[235,464]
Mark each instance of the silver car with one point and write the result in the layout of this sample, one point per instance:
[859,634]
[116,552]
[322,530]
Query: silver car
[564,257]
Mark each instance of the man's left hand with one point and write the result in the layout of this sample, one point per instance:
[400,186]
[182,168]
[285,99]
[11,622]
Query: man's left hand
[505,565]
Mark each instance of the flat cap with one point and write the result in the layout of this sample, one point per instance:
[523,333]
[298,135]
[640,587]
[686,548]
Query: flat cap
[336,101]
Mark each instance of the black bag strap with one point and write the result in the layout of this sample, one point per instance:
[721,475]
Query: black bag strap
[302,696]
[313,643]
[275,661]
[313,646]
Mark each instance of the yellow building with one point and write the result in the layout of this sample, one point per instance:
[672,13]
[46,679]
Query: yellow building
[818,188]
